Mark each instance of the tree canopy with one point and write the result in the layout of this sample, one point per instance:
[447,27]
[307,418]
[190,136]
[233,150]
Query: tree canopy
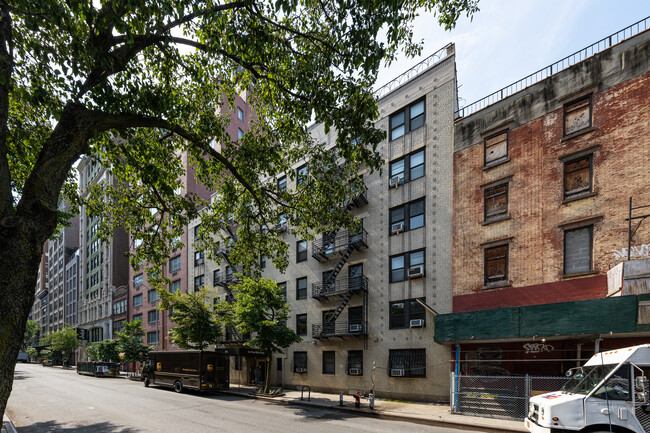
[130,342]
[130,84]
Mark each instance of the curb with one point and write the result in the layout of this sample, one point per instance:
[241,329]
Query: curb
[7,425]
[384,415]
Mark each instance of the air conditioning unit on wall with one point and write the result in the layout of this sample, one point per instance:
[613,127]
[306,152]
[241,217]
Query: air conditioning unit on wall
[416,323]
[397,228]
[416,271]
[282,227]
[301,370]
[355,372]
[355,327]
[395,181]
[397,372]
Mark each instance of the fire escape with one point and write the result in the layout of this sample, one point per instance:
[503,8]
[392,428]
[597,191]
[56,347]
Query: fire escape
[342,244]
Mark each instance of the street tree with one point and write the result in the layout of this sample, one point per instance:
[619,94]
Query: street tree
[259,308]
[31,331]
[105,350]
[133,84]
[130,342]
[197,326]
[64,341]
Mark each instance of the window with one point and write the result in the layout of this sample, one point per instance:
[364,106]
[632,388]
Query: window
[618,386]
[137,317]
[496,265]
[495,202]
[495,148]
[216,277]
[229,274]
[96,334]
[152,295]
[197,229]
[198,258]
[278,364]
[283,290]
[329,362]
[175,286]
[577,115]
[240,133]
[578,177]
[408,168]
[406,120]
[301,175]
[407,217]
[152,316]
[137,280]
[240,114]
[355,362]
[262,262]
[407,363]
[137,300]
[175,264]
[301,251]
[199,282]
[300,362]
[578,248]
[403,312]
[301,288]
[282,183]
[119,307]
[301,324]
[399,264]
[152,337]
[238,362]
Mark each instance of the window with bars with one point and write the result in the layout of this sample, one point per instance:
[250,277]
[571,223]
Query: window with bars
[577,115]
[495,148]
[407,363]
[495,202]
[496,265]
[329,362]
[403,312]
[407,119]
[355,362]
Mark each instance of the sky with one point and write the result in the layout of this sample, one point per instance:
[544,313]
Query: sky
[510,39]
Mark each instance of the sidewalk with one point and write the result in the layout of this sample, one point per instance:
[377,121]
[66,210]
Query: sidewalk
[7,426]
[421,413]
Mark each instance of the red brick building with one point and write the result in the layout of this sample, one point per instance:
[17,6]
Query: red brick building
[542,183]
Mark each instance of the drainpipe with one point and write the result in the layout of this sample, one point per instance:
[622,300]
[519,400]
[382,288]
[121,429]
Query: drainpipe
[456,379]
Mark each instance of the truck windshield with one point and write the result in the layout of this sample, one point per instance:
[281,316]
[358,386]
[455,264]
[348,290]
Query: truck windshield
[587,378]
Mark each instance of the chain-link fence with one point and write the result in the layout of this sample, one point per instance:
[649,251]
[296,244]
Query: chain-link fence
[498,396]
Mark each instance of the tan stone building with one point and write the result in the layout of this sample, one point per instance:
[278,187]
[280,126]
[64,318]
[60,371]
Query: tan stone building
[381,336]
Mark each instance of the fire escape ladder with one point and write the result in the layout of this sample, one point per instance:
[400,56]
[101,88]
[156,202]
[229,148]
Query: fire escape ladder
[331,279]
[340,307]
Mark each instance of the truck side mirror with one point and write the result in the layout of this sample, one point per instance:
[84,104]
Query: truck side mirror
[641,382]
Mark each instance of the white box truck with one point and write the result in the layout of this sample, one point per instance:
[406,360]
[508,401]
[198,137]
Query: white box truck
[608,394]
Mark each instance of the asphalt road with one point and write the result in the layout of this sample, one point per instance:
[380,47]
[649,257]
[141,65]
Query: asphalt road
[46,399]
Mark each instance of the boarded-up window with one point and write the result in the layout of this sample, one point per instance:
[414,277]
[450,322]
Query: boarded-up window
[577,115]
[496,148]
[496,201]
[496,264]
[577,177]
[577,250]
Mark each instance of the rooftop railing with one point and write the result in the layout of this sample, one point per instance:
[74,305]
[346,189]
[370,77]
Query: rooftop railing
[556,67]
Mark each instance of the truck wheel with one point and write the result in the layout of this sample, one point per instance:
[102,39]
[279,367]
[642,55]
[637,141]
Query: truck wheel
[178,386]
[146,382]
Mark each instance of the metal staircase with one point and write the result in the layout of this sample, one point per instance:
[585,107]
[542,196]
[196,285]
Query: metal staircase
[331,281]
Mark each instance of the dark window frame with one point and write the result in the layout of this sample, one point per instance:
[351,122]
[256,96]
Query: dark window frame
[301,256]
[282,183]
[216,276]
[156,314]
[575,101]
[407,358]
[408,119]
[409,314]
[491,192]
[199,258]
[300,361]
[485,148]
[408,167]
[299,325]
[355,360]
[173,261]
[406,215]
[301,175]
[139,277]
[590,227]
[202,280]
[568,195]
[283,290]
[494,282]
[301,293]
[407,263]
[329,362]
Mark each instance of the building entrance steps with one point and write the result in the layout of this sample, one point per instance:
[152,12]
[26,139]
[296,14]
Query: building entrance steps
[408,411]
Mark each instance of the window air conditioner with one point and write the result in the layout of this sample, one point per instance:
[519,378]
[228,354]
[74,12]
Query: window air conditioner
[281,227]
[355,372]
[416,271]
[416,323]
[397,372]
[395,181]
[397,228]
[355,327]
[301,370]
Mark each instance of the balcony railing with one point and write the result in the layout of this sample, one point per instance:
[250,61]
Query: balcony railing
[344,329]
[359,200]
[341,286]
[328,245]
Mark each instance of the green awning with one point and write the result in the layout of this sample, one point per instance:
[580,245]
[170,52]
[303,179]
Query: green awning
[593,316]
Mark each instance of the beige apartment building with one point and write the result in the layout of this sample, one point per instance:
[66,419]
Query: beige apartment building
[363,303]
